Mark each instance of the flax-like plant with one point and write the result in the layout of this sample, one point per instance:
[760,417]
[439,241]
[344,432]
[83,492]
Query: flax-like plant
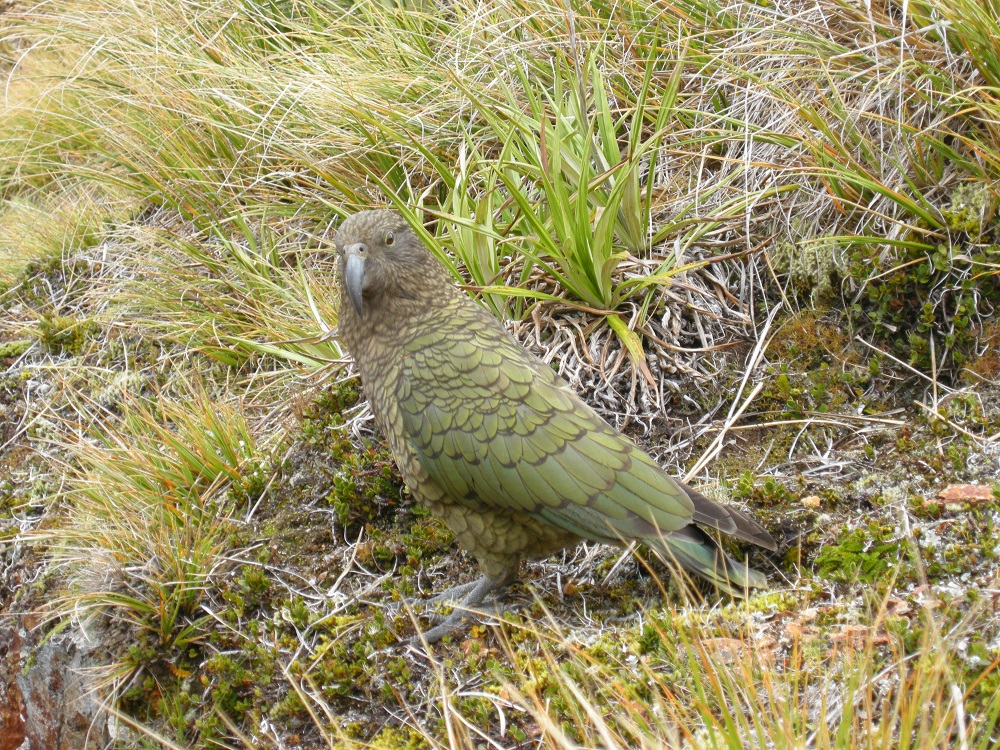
[577,181]
[472,226]
[582,200]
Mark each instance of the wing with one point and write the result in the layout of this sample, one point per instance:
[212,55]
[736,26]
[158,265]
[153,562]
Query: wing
[491,424]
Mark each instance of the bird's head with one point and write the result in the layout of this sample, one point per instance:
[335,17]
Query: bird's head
[381,257]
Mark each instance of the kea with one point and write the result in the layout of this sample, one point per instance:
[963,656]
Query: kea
[494,442]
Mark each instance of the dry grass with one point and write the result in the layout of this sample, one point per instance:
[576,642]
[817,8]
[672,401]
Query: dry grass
[859,149]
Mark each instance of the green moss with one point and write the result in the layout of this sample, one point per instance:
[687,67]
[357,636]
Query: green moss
[246,595]
[337,399]
[774,601]
[930,509]
[816,367]
[321,421]
[405,546]
[868,555]
[908,297]
[366,485]
[972,208]
[14,349]
[401,738]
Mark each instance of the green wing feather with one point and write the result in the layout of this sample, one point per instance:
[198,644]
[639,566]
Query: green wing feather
[493,425]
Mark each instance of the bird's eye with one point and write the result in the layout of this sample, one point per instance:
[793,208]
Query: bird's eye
[389,238]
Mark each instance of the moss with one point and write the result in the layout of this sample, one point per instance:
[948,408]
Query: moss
[985,364]
[869,555]
[816,368]
[14,349]
[393,738]
[246,595]
[912,298]
[235,681]
[971,210]
[321,422]
[365,484]
[774,601]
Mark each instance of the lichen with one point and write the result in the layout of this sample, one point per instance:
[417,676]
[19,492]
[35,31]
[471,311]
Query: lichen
[972,208]
[812,266]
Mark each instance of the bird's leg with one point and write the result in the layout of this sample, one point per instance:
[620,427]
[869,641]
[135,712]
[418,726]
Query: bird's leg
[477,591]
[453,595]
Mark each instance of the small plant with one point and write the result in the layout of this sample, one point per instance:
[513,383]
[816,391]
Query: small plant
[930,304]
[62,334]
[767,493]
[870,555]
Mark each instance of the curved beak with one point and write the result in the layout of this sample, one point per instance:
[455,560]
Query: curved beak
[354,275]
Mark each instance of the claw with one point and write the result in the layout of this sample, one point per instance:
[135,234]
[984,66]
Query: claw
[474,592]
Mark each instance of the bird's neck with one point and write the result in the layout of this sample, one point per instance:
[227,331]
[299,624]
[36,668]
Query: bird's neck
[395,320]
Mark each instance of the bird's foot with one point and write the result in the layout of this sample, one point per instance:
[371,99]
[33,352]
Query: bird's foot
[474,593]
[454,594]
[494,609]
[448,624]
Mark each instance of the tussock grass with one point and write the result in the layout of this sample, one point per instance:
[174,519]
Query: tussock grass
[50,229]
[234,298]
[146,527]
[708,128]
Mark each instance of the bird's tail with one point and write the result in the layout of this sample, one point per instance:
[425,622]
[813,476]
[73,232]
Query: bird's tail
[696,551]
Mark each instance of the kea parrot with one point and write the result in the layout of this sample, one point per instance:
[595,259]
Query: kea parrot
[494,442]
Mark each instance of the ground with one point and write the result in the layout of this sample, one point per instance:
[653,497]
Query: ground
[320,538]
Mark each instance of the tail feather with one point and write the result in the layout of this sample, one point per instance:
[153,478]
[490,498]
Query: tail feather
[696,551]
[728,520]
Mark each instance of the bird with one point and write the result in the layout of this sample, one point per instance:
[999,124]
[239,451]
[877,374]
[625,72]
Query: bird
[492,441]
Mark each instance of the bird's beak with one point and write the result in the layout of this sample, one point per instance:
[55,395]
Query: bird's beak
[354,275]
